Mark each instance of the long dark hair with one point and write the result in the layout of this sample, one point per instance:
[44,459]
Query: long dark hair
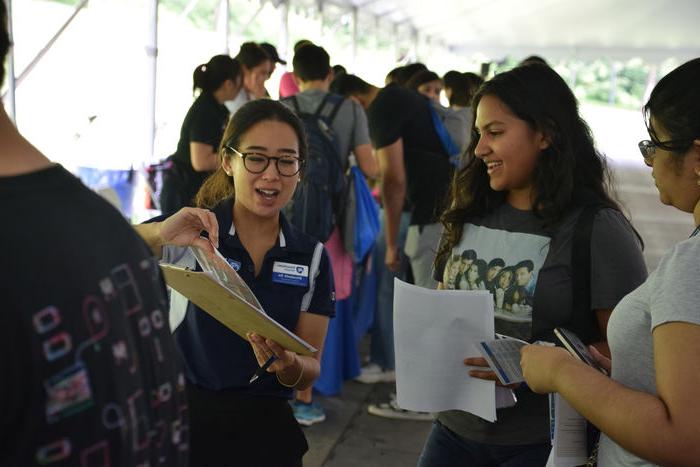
[569,173]
[219,186]
[675,105]
[209,76]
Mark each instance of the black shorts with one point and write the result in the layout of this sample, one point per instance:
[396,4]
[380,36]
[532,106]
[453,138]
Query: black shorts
[233,429]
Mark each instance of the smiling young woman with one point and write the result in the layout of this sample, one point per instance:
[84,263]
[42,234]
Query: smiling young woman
[533,167]
[262,155]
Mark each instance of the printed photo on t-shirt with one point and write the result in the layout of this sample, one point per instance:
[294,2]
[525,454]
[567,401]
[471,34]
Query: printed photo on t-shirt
[504,263]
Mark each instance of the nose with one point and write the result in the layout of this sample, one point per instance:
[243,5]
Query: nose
[482,149]
[271,172]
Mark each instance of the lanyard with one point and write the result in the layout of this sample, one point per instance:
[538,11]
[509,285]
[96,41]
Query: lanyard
[695,232]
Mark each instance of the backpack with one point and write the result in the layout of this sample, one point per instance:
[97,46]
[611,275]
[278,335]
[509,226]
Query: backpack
[318,199]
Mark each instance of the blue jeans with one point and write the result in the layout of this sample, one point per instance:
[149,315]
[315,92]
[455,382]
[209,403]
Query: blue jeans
[382,344]
[443,448]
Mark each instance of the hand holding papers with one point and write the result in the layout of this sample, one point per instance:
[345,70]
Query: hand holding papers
[220,291]
[434,330]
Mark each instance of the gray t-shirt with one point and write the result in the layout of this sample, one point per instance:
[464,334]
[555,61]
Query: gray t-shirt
[668,295]
[509,253]
[349,124]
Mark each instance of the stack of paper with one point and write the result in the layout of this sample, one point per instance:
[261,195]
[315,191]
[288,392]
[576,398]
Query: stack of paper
[434,331]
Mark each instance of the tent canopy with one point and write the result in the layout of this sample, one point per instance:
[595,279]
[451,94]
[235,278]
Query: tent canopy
[620,29]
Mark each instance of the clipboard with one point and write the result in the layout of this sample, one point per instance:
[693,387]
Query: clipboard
[231,311]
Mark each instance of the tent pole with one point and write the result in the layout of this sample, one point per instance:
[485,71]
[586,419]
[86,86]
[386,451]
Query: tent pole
[354,36]
[11,103]
[223,23]
[152,53]
[283,38]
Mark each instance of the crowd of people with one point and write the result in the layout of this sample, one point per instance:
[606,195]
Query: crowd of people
[503,191]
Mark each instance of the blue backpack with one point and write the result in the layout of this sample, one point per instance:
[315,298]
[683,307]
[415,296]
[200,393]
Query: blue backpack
[318,199]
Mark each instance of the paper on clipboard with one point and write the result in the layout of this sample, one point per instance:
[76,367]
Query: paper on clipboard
[219,291]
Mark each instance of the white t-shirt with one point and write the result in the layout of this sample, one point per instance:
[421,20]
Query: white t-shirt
[668,295]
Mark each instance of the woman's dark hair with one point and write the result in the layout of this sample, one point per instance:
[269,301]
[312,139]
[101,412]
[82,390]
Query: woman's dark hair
[674,104]
[407,71]
[422,77]
[209,76]
[463,86]
[350,85]
[219,186]
[393,75]
[4,39]
[251,55]
[570,172]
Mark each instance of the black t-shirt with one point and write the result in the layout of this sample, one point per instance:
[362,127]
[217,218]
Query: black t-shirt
[396,113]
[90,373]
[205,123]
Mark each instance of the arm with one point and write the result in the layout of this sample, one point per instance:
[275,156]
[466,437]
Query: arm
[291,367]
[393,178]
[662,428]
[603,316]
[366,160]
[203,157]
[182,228]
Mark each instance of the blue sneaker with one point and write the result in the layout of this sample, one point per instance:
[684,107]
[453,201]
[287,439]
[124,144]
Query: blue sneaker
[308,414]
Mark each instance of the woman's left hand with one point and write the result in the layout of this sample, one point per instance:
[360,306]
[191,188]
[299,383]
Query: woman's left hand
[540,365]
[265,348]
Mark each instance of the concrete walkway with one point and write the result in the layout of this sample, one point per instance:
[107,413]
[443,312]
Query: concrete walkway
[350,437]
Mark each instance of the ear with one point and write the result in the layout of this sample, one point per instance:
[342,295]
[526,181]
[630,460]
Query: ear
[226,165]
[544,141]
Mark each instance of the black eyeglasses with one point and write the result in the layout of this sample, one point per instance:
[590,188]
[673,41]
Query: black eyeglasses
[257,163]
[648,148]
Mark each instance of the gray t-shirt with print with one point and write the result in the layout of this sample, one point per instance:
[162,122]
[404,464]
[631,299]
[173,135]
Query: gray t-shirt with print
[349,124]
[509,253]
[668,295]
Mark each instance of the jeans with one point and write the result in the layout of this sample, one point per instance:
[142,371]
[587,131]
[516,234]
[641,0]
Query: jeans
[421,246]
[382,344]
[444,448]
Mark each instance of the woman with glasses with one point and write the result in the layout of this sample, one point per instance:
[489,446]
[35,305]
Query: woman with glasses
[648,410]
[232,421]
[532,169]
[219,80]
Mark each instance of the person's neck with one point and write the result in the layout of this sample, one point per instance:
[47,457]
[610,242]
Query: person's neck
[696,213]
[371,95]
[316,85]
[521,199]
[253,229]
[220,95]
[17,155]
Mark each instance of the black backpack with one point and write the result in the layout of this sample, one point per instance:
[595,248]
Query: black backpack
[318,199]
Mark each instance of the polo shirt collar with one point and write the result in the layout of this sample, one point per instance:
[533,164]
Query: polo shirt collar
[288,239]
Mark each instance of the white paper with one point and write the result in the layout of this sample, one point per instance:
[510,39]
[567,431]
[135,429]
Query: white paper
[569,433]
[434,331]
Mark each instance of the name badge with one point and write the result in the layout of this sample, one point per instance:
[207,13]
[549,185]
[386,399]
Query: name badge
[290,274]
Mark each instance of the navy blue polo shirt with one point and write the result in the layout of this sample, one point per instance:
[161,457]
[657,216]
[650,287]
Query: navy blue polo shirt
[214,356]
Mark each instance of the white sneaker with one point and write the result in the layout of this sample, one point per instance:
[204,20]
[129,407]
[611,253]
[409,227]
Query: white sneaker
[373,373]
[392,410]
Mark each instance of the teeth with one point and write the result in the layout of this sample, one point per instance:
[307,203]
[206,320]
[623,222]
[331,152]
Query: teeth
[494,164]
[267,192]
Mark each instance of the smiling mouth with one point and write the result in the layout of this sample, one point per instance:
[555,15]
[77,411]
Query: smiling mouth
[267,194]
[493,165]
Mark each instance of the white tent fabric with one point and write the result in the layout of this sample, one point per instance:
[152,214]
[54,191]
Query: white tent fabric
[619,29]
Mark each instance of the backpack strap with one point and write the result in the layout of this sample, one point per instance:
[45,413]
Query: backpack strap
[295,103]
[582,319]
[334,111]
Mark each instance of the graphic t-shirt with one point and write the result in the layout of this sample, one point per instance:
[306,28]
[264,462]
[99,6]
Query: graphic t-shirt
[528,272]
[90,373]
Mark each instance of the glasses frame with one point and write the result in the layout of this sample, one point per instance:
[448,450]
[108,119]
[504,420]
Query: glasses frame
[244,156]
[648,148]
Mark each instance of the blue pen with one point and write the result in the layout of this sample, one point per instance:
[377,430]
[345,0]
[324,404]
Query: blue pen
[261,371]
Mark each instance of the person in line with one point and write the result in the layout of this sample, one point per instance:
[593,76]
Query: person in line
[256,65]
[533,167]
[288,86]
[233,422]
[415,166]
[89,368]
[427,83]
[647,409]
[274,56]
[195,158]
[313,75]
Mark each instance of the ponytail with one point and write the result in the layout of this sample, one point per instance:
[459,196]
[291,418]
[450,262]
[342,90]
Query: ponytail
[209,76]
[217,187]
